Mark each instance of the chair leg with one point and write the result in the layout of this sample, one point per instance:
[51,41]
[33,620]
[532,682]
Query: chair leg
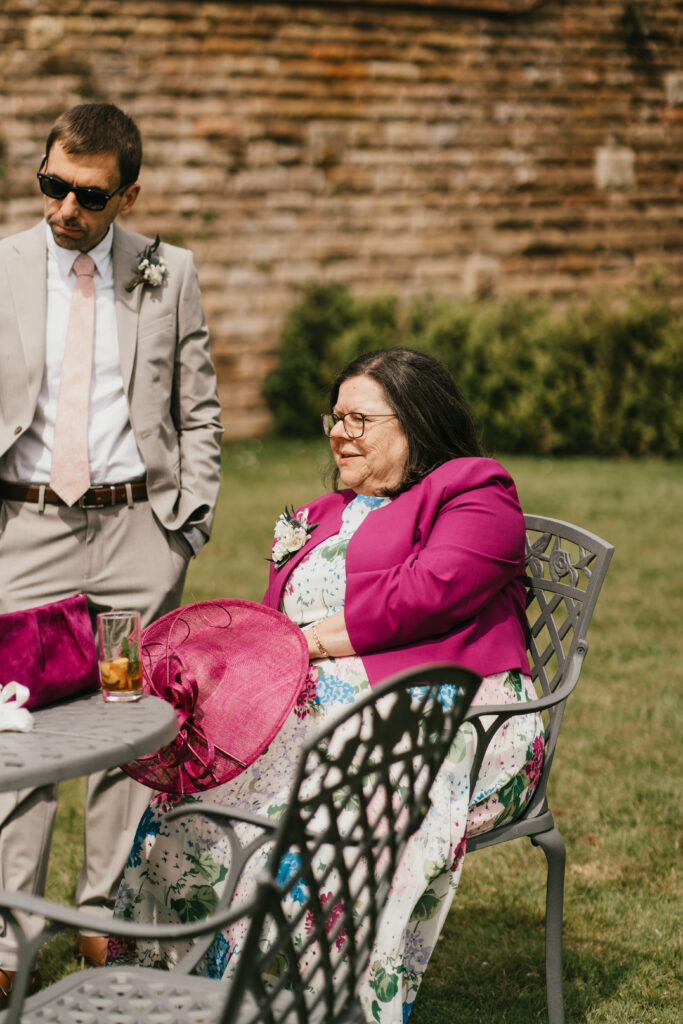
[553,847]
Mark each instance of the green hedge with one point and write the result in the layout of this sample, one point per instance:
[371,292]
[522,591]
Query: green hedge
[603,377]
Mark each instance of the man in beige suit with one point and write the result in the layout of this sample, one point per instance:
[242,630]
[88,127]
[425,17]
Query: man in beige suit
[152,458]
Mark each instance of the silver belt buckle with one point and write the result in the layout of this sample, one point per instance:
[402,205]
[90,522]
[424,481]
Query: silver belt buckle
[82,503]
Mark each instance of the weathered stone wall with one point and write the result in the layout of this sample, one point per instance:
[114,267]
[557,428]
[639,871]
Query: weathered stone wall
[396,148]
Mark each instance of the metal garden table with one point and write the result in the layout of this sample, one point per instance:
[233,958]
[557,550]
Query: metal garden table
[82,735]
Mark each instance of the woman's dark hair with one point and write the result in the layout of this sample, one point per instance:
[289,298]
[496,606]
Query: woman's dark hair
[430,410]
[100,128]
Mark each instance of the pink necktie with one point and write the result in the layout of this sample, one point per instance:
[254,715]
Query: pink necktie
[70,476]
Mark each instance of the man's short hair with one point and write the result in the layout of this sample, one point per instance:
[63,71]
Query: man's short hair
[100,128]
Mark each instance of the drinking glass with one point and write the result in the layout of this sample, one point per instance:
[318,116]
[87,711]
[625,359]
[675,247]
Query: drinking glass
[118,639]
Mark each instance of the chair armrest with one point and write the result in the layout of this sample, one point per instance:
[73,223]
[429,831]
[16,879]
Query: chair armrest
[541,703]
[527,707]
[69,917]
[59,917]
[502,712]
[221,814]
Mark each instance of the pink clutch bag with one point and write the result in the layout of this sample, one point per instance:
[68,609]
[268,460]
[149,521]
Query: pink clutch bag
[50,649]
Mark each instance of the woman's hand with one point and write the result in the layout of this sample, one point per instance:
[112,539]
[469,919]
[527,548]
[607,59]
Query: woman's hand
[328,638]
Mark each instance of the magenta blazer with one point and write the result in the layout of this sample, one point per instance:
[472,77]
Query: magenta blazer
[435,575]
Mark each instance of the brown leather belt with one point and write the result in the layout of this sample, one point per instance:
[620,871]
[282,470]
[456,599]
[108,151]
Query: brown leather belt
[95,497]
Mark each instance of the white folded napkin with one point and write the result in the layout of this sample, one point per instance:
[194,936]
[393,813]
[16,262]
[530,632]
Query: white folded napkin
[13,716]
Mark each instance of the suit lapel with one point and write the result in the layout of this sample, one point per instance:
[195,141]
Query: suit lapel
[27,273]
[126,259]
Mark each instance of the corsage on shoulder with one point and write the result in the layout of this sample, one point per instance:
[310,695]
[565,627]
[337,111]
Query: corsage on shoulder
[292,530]
[152,269]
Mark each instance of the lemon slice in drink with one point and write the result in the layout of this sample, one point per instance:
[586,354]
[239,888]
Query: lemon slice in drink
[114,673]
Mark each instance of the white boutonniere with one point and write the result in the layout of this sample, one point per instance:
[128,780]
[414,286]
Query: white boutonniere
[292,530]
[152,269]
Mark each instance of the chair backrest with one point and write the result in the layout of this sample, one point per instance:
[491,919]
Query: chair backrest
[361,791]
[566,567]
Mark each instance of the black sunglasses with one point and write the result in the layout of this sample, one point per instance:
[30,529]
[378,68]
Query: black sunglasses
[88,198]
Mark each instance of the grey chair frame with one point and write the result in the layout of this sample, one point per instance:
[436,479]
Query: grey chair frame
[566,567]
[361,790]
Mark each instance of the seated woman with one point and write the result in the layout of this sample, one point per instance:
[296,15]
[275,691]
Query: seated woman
[418,558]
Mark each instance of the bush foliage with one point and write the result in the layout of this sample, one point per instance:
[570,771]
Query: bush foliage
[602,377]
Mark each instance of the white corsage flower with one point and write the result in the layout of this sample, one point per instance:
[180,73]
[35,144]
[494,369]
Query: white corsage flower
[291,533]
[151,269]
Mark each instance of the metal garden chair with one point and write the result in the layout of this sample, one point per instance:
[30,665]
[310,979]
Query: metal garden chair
[361,790]
[566,567]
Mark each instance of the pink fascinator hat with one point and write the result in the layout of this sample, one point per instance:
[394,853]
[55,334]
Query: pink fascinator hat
[232,670]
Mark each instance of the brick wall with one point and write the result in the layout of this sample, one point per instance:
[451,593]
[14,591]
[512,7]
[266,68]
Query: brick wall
[395,148]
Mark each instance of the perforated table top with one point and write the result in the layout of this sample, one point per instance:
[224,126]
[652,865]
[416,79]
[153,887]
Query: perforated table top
[82,735]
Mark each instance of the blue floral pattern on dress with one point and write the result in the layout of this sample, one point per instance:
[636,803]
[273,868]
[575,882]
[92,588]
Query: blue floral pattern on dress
[289,864]
[332,689]
[446,694]
[216,958]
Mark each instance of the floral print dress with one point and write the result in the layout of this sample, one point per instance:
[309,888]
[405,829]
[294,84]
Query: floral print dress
[175,871]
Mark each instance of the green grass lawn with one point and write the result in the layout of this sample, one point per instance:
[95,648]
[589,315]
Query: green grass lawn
[614,791]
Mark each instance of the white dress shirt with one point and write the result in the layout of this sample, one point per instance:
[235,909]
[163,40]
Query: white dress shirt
[113,454]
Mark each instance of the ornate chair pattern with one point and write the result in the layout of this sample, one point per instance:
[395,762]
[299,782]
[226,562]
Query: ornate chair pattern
[566,567]
[361,790]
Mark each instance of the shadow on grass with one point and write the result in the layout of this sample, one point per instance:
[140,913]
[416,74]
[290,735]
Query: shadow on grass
[489,968]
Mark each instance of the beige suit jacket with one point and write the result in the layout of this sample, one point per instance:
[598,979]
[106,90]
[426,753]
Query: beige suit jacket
[166,367]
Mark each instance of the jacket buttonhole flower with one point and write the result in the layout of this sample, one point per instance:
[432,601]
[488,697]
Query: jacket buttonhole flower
[292,530]
[151,270]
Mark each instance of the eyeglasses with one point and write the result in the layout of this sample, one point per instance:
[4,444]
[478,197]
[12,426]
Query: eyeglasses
[88,198]
[353,422]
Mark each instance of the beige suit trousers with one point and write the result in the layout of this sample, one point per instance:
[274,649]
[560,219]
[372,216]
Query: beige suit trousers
[120,557]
